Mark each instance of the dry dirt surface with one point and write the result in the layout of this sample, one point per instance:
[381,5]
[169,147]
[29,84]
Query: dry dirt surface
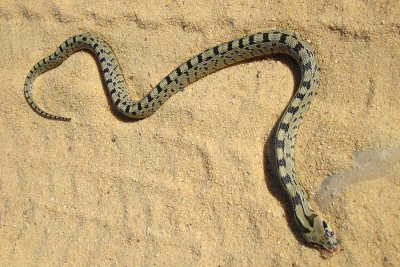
[190,185]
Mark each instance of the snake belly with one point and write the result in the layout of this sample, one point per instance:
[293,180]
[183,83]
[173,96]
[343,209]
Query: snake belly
[312,226]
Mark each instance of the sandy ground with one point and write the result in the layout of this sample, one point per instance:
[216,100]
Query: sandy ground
[189,186]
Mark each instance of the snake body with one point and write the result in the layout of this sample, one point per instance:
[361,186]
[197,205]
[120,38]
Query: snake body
[313,227]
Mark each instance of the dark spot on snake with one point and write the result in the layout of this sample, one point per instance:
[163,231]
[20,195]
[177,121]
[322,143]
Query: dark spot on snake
[292,109]
[95,46]
[251,39]
[281,162]
[168,79]
[298,47]
[284,126]
[241,43]
[286,179]
[117,102]
[215,50]
[300,96]
[139,106]
[283,38]
[230,45]
[159,89]
[311,218]
[306,84]
[296,199]
[127,108]
[307,66]
[189,64]
[200,58]
[265,37]
[106,70]
[178,71]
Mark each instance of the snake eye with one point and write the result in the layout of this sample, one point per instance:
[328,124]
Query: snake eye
[324,225]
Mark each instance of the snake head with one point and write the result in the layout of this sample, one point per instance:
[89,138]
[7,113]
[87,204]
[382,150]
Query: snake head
[322,235]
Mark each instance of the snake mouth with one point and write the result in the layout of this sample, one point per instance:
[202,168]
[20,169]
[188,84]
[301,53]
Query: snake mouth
[332,247]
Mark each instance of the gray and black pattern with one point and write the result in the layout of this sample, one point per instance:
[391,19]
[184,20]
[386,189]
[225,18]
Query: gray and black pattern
[312,226]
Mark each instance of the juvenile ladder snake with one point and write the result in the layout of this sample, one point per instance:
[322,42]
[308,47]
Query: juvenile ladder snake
[312,225]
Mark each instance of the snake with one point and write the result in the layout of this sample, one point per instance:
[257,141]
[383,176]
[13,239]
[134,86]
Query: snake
[312,225]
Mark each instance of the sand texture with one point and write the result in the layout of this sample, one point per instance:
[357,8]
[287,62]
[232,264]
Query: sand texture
[190,185]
